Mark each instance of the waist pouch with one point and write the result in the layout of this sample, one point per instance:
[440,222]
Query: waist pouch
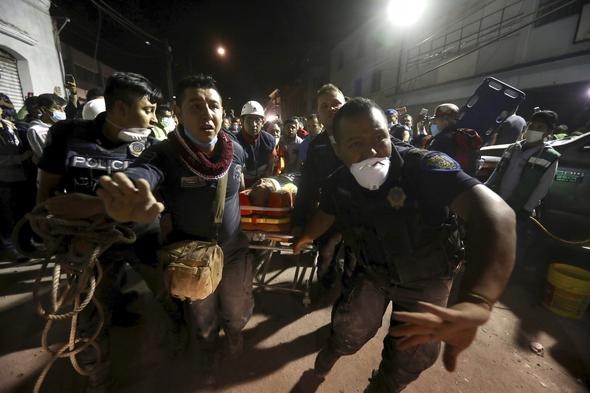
[193,268]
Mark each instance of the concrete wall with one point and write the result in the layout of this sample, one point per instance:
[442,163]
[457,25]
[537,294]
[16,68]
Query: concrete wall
[533,57]
[26,32]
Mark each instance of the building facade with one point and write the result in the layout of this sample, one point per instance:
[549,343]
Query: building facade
[29,52]
[539,46]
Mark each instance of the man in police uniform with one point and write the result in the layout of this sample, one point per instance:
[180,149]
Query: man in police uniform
[321,161]
[394,208]
[78,152]
[186,169]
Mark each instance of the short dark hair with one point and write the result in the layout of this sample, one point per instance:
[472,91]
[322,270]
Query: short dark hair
[329,88]
[353,107]
[93,93]
[293,120]
[312,116]
[200,81]
[162,108]
[129,88]
[48,100]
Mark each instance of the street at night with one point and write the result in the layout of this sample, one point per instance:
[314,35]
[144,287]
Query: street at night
[305,196]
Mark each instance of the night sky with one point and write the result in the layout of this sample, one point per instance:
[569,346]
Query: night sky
[269,42]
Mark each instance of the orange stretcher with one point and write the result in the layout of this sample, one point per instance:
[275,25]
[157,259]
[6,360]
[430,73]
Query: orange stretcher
[268,230]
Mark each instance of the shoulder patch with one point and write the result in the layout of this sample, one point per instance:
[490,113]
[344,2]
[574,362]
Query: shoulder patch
[436,161]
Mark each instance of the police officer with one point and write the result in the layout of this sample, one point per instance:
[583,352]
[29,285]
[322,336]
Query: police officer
[78,152]
[258,145]
[394,206]
[187,180]
[321,161]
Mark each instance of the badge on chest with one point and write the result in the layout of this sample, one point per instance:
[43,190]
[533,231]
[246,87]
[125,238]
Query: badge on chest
[192,182]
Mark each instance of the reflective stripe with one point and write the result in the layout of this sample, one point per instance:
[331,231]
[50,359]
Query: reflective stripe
[539,161]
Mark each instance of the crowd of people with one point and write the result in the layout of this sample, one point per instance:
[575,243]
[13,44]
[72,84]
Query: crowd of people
[395,199]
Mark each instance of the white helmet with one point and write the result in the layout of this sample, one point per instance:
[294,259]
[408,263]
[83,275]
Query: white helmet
[93,108]
[252,108]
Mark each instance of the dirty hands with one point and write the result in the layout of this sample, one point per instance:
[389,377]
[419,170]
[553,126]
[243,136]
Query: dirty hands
[456,326]
[125,201]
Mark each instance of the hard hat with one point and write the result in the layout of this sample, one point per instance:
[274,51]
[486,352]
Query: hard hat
[447,109]
[252,108]
[390,112]
[93,108]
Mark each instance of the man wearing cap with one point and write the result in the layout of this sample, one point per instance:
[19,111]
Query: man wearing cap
[391,115]
[258,145]
[525,172]
[461,144]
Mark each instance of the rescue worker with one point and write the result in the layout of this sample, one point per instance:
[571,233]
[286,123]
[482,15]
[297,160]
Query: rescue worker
[393,205]
[187,179]
[526,171]
[320,163]
[78,152]
[461,144]
[258,145]
[288,147]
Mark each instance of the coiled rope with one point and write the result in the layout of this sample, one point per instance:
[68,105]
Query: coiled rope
[74,247]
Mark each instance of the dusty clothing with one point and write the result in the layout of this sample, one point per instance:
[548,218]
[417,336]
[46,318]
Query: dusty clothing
[406,245]
[189,199]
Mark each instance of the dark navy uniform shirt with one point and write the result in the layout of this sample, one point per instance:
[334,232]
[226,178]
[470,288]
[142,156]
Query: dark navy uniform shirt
[190,198]
[257,155]
[78,150]
[320,163]
[424,189]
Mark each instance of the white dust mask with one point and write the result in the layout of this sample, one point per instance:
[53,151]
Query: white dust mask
[133,134]
[371,173]
[533,136]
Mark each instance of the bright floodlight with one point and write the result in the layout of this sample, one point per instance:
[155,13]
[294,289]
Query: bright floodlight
[405,12]
[221,51]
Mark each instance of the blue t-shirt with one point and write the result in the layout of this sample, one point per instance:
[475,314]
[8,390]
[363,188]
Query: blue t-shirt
[189,198]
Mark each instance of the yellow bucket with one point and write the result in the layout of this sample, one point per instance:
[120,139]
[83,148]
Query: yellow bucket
[568,290]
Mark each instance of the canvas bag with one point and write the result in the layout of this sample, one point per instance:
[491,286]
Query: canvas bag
[194,267]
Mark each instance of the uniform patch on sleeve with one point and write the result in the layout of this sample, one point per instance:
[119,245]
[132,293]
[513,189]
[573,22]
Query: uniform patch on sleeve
[440,162]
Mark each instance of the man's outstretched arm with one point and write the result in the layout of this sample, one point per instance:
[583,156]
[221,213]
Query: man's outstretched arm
[491,249]
[126,201]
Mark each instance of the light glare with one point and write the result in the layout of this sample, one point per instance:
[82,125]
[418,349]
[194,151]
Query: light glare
[221,51]
[405,12]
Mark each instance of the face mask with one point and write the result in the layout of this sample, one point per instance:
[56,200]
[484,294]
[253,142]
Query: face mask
[434,130]
[168,123]
[202,145]
[58,116]
[533,136]
[371,173]
[133,134]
